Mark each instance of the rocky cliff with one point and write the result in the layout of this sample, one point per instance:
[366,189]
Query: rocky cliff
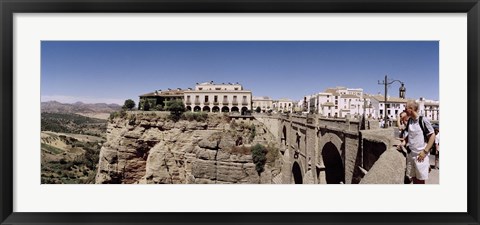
[149,148]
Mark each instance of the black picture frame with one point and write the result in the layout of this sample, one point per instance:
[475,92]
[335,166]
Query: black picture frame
[9,7]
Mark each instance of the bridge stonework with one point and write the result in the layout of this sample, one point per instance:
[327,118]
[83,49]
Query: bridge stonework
[324,150]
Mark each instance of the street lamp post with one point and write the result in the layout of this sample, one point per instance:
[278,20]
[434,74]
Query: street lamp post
[402,91]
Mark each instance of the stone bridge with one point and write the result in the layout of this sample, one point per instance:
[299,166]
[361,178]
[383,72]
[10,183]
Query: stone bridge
[319,150]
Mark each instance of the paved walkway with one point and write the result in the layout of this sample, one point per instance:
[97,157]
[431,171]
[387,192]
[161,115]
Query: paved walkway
[433,177]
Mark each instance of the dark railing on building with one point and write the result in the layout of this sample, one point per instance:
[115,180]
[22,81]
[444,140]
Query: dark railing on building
[244,103]
[225,102]
[215,103]
[188,102]
[197,102]
[234,102]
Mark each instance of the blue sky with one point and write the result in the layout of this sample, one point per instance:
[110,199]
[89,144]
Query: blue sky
[112,71]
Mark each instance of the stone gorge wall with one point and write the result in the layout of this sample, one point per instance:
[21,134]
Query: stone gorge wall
[150,148]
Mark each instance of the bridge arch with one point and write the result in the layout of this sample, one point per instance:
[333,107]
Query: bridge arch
[297,173]
[334,169]
[334,139]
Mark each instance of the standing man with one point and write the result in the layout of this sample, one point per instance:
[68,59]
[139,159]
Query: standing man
[420,140]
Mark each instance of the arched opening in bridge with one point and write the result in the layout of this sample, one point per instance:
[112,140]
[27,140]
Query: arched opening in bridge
[215,109]
[284,136]
[235,109]
[225,109]
[334,172]
[189,109]
[197,109]
[206,109]
[297,173]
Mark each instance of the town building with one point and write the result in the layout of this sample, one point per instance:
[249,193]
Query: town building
[264,103]
[211,97]
[336,102]
[283,105]
[429,109]
[394,106]
[157,99]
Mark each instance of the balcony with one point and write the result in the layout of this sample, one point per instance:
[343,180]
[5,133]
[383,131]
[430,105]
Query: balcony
[206,103]
[216,103]
[234,102]
[244,103]
[225,102]
[197,102]
[188,102]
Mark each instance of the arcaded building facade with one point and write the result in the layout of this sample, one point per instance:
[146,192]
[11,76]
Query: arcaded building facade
[211,97]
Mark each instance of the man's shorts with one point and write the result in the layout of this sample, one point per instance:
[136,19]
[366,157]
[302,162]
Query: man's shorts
[417,169]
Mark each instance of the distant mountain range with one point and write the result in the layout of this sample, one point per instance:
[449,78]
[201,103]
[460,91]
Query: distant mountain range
[78,107]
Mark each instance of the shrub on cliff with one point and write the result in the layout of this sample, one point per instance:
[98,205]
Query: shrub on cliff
[197,116]
[176,108]
[129,104]
[259,153]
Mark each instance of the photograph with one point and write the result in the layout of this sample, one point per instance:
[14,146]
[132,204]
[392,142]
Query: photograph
[240,112]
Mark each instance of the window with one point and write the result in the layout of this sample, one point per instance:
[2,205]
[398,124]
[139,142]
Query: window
[236,89]
[215,98]
[206,98]
[200,89]
[218,89]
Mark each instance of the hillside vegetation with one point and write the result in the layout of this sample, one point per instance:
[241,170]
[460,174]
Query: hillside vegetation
[69,160]
[73,123]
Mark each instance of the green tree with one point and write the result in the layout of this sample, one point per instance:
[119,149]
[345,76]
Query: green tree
[129,104]
[258,110]
[146,106]
[259,153]
[176,108]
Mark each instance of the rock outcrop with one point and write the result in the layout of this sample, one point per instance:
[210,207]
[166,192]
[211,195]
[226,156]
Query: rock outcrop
[152,149]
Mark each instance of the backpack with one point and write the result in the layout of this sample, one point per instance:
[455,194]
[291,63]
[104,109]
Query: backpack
[425,132]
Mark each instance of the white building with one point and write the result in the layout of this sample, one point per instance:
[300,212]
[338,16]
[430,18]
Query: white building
[394,106]
[210,97]
[429,108]
[264,103]
[283,105]
[337,102]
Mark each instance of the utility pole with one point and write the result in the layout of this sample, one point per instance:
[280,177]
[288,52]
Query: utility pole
[402,91]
